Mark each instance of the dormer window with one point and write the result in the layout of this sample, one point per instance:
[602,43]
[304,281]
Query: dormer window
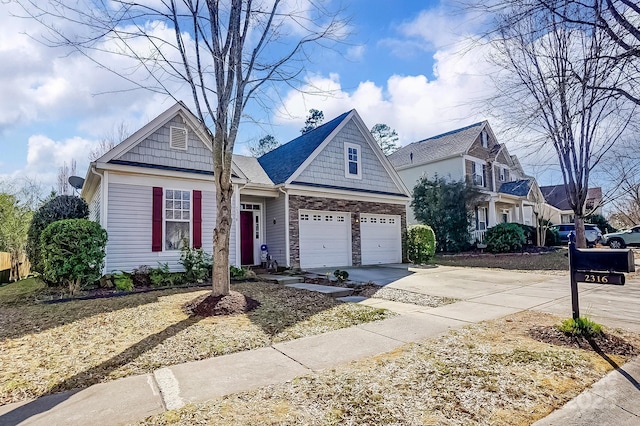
[484,138]
[352,161]
[503,173]
[178,138]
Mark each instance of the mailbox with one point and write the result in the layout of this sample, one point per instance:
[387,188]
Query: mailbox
[598,266]
[618,260]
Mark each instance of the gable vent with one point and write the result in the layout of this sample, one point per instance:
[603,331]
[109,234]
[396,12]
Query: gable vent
[178,138]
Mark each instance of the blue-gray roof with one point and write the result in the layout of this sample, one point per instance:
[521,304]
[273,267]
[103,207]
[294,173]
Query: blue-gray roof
[518,188]
[283,161]
[445,145]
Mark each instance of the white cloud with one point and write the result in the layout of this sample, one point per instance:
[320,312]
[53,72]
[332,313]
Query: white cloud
[45,156]
[414,105]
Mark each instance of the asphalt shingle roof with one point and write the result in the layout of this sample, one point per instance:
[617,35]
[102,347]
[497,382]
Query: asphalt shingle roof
[251,169]
[518,188]
[455,142]
[557,196]
[283,161]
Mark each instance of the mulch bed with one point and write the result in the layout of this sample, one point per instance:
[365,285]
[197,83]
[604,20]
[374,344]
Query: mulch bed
[208,305]
[600,343]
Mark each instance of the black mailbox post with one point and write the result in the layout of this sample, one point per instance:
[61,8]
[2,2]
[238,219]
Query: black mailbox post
[599,266]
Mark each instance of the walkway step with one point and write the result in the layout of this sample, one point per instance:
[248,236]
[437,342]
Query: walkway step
[351,299]
[324,289]
[280,279]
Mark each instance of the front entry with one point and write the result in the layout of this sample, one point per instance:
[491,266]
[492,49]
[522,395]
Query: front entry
[246,237]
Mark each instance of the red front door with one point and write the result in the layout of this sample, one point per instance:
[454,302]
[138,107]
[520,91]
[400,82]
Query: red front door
[246,238]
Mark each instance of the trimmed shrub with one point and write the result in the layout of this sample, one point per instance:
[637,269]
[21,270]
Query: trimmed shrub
[57,208]
[421,243]
[530,234]
[504,238]
[342,276]
[73,252]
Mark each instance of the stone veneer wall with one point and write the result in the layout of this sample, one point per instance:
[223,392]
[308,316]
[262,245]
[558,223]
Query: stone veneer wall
[299,202]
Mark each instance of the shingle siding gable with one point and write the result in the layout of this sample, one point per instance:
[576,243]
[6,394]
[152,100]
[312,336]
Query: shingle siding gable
[155,150]
[328,168]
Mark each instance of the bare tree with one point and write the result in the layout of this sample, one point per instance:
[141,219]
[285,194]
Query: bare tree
[620,21]
[548,87]
[109,141]
[622,169]
[224,52]
[64,187]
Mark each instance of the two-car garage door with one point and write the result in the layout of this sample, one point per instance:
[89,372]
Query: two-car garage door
[325,239]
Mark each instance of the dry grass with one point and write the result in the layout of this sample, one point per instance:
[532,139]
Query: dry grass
[50,348]
[550,261]
[489,374]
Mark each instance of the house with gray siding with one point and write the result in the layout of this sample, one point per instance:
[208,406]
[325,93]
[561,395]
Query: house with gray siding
[473,154]
[328,198]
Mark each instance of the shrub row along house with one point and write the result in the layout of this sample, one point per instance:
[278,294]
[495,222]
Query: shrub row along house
[327,198]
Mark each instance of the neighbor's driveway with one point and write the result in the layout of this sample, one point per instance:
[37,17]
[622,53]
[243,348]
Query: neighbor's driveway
[495,289]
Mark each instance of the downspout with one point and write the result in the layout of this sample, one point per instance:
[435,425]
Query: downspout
[286,225]
[103,208]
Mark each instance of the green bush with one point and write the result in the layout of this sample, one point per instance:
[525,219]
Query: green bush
[237,273]
[123,281]
[504,238]
[73,252]
[57,208]
[530,234]
[197,264]
[162,276]
[582,326]
[420,243]
[552,237]
[601,222]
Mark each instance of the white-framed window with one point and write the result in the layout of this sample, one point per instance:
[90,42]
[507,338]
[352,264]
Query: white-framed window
[178,138]
[352,161]
[177,219]
[477,170]
[503,174]
[484,138]
[481,218]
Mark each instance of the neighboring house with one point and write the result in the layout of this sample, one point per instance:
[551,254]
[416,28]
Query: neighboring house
[327,198]
[562,212]
[472,153]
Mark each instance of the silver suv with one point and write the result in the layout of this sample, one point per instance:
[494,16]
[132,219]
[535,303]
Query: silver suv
[591,232]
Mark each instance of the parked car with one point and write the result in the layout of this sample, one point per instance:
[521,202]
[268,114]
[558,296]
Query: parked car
[591,232]
[630,237]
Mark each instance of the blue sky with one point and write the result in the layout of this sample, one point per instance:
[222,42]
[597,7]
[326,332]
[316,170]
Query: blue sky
[405,64]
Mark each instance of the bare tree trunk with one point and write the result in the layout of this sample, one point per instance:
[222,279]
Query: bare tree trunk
[581,240]
[221,238]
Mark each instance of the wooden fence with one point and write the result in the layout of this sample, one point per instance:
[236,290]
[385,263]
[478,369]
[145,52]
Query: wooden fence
[5,267]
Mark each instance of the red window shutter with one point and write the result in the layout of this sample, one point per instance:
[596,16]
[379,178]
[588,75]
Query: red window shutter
[156,228]
[197,219]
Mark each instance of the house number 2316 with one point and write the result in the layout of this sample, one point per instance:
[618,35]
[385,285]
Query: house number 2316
[591,278]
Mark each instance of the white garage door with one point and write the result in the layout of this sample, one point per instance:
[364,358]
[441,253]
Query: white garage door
[381,239]
[325,239]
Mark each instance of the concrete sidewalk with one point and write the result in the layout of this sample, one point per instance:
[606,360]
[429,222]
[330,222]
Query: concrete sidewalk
[484,295]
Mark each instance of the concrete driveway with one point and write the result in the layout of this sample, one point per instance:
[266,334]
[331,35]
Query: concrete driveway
[508,291]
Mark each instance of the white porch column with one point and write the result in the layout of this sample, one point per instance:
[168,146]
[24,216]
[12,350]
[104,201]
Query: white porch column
[492,213]
[522,221]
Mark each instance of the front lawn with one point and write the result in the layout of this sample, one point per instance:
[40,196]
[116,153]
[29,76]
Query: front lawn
[491,373]
[51,348]
[546,261]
